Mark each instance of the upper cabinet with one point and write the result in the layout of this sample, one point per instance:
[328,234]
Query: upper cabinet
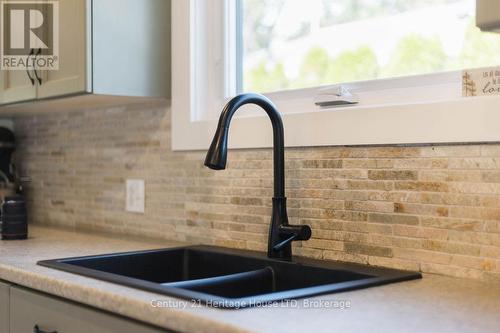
[138,63]
[74,61]
[104,47]
[488,15]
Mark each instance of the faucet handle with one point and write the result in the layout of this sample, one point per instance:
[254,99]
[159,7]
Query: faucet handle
[295,232]
[280,246]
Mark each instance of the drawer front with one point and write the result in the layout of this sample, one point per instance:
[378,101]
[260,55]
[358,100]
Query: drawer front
[29,308]
[4,308]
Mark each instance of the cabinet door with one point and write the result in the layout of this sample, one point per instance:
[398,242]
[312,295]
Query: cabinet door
[70,78]
[4,308]
[15,86]
[29,309]
[18,85]
[131,48]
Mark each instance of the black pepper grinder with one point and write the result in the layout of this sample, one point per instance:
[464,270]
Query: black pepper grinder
[14,218]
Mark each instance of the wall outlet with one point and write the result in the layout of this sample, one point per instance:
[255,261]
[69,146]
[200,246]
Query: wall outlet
[135,195]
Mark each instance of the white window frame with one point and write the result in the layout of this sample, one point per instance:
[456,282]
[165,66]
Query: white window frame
[410,110]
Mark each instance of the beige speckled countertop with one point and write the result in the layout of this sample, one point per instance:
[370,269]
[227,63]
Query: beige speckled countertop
[433,304]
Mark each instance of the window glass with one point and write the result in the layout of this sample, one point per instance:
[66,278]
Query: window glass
[291,44]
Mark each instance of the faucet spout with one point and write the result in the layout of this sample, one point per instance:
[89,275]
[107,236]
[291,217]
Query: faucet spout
[217,153]
[217,156]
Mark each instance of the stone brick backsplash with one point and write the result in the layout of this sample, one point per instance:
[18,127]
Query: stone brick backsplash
[434,209]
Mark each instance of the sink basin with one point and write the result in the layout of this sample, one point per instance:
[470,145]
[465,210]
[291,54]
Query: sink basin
[227,278]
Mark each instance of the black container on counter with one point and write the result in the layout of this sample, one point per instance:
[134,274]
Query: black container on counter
[14,218]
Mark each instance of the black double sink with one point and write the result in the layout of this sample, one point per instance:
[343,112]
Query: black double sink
[227,278]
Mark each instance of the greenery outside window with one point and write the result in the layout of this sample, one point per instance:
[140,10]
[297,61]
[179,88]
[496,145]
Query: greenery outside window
[293,44]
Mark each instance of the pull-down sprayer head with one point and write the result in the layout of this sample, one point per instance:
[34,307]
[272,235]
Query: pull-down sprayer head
[217,153]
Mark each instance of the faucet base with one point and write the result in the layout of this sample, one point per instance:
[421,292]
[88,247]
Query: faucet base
[282,234]
[279,218]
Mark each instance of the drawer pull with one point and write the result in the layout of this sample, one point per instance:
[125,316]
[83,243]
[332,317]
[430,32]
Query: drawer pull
[36,329]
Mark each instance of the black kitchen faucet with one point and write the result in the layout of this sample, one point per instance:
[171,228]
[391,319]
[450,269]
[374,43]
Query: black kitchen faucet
[281,234]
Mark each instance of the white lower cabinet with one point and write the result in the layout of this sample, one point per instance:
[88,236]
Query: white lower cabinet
[4,308]
[31,311]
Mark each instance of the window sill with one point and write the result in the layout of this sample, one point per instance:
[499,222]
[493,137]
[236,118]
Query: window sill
[457,120]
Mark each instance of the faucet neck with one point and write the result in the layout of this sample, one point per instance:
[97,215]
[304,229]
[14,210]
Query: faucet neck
[278,133]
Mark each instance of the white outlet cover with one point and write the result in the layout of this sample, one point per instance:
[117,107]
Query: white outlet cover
[135,195]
